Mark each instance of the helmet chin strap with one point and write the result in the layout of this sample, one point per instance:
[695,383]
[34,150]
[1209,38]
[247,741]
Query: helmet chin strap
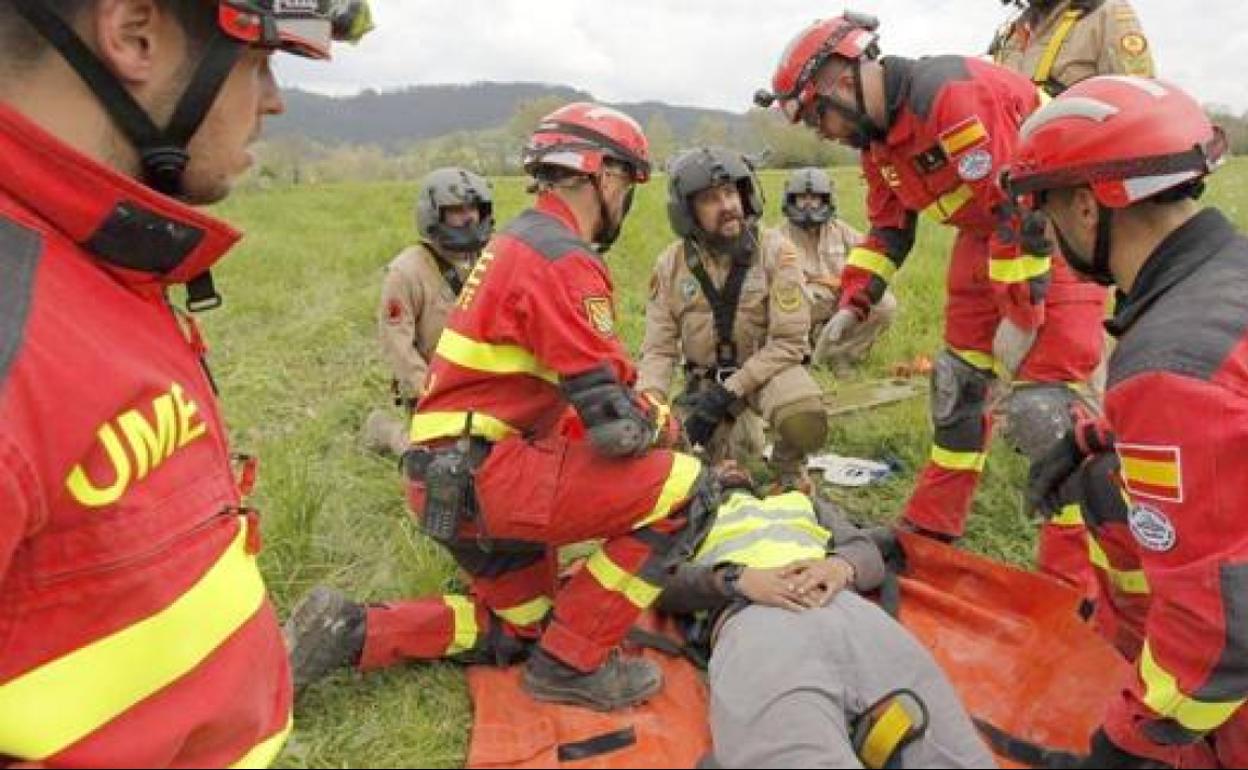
[1098,269]
[162,152]
[608,232]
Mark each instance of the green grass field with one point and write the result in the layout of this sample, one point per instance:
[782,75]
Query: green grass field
[295,355]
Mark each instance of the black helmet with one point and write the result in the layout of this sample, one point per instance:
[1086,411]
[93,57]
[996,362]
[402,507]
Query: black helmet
[452,186]
[700,169]
[809,181]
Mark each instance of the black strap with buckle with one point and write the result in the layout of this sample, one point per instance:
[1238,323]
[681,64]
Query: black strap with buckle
[724,306]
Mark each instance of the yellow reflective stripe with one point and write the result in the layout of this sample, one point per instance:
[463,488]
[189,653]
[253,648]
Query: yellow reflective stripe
[893,726]
[873,262]
[427,426]
[611,577]
[1019,269]
[721,533]
[769,554]
[959,461]
[1045,68]
[264,752]
[976,358]
[943,208]
[1070,516]
[1152,472]
[46,710]
[1126,581]
[487,357]
[466,630]
[526,614]
[679,483]
[1162,695]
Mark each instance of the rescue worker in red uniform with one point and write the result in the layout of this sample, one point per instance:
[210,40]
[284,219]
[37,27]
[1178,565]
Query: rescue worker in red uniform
[534,332]
[933,134]
[135,630]
[1116,164]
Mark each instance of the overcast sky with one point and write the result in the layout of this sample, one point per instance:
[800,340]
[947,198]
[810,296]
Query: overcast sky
[715,53]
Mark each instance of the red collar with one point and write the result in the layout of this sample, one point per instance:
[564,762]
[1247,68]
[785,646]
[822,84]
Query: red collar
[145,238]
[551,204]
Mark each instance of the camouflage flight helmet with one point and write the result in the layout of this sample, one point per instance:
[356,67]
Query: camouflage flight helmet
[809,181]
[448,187]
[700,169]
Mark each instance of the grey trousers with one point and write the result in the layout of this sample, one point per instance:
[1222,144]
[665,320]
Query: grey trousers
[786,685]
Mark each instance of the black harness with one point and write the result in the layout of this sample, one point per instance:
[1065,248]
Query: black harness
[724,304]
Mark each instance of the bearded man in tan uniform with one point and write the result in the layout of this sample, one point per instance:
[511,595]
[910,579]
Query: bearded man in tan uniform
[824,241]
[729,301]
[455,219]
[1058,43]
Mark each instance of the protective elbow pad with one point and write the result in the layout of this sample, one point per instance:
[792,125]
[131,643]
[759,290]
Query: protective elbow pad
[618,425]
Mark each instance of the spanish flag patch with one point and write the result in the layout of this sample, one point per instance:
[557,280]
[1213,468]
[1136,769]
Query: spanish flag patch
[963,136]
[1154,472]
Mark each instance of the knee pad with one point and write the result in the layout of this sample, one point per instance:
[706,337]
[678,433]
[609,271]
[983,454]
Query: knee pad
[802,425]
[1035,417]
[959,390]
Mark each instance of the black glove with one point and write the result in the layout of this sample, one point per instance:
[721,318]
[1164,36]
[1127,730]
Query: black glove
[707,409]
[1107,754]
[1089,436]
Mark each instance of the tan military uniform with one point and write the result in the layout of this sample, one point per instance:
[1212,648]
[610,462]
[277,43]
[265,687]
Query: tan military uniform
[1065,46]
[823,259]
[771,332]
[415,302]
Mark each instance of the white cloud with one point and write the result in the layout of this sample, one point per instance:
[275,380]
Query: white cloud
[714,53]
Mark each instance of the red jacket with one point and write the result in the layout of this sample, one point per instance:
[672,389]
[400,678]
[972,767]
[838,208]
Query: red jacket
[134,627]
[953,126]
[1178,404]
[537,307]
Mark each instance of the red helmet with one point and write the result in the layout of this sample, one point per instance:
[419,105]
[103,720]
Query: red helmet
[1127,138]
[851,36]
[302,27]
[582,135]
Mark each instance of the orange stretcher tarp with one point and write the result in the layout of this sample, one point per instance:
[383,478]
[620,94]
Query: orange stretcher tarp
[1028,669]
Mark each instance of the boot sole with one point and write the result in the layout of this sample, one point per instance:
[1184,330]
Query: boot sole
[574,697]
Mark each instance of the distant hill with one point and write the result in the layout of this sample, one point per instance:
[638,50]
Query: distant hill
[395,119]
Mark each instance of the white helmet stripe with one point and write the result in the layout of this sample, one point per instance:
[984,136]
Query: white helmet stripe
[1072,107]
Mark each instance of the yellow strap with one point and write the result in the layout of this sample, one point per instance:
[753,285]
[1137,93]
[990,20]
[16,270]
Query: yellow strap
[886,734]
[1045,68]
[1018,269]
[54,706]
[1070,516]
[676,489]
[526,614]
[959,461]
[613,578]
[1162,695]
[466,630]
[1127,581]
[977,358]
[427,426]
[873,262]
[264,752]
[946,206]
[487,357]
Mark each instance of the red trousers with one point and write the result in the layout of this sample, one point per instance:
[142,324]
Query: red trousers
[533,497]
[1068,349]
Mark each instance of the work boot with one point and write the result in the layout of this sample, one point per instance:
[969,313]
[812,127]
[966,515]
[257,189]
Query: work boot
[616,684]
[324,632]
[384,433]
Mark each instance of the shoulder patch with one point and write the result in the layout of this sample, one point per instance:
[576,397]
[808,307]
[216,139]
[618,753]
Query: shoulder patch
[394,311]
[545,235]
[975,166]
[963,136]
[601,316]
[1133,44]
[1155,472]
[1152,528]
[788,296]
[20,249]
